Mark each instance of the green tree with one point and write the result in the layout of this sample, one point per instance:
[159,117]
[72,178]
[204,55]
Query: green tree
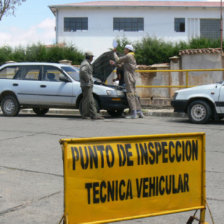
[36,52]
[57,53]
[19,54]
[5,54]
[151,50]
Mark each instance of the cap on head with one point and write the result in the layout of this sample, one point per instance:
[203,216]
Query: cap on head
[129,47]
[89,54]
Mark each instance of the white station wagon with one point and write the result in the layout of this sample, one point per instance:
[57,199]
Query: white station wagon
[50,85]
[201,103]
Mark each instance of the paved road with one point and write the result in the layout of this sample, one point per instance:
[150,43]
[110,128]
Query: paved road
[31,174]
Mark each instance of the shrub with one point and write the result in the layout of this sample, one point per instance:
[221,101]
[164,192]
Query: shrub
[147,51]
[5,54]
[152,50]
[40,53]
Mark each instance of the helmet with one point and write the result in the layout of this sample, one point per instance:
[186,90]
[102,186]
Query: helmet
[129,47]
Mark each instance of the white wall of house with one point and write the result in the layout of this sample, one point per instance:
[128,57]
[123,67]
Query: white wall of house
[158,22]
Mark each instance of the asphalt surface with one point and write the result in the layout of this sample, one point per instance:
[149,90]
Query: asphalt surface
[31,166]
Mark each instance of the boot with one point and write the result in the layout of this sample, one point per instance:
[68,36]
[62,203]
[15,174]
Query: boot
[133,115]
[140,114]
[97,117]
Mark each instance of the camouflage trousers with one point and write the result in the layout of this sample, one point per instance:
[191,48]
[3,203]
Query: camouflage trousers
[132,97]
[88,103]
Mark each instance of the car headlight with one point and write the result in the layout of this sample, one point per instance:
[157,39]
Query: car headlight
[114,93]
[120,93]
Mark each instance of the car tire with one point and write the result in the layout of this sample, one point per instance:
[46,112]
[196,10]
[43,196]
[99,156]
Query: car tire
[10,106]
[40,111]
[115,113]
[96,104]
[199,112]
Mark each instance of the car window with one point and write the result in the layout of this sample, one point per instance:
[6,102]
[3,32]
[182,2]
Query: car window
[30,73]
[72,71]
[9,72]
[52,74]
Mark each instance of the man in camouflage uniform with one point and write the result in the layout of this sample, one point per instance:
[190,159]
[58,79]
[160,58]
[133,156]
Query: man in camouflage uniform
[129,64]
[86,83]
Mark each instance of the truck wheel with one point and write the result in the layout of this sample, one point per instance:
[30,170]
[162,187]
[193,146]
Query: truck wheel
[10,106]
[115,113]
[199,112]
[40,111]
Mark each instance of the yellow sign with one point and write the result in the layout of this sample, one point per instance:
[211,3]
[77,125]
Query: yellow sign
[119,178]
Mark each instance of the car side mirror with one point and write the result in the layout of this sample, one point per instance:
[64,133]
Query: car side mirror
[63,78]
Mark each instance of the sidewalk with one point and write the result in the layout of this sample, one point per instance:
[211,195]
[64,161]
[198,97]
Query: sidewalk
[159,112]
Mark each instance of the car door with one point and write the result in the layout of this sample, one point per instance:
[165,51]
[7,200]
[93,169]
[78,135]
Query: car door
[7,78]
[28,84]
[54,91]
[220,103]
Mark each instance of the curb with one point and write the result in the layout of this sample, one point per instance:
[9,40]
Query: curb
[146,112]
[161,113]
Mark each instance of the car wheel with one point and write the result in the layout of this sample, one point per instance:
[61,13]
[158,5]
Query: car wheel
[199,112]
[10,106]
[115,113]
[96,104]
[40,111]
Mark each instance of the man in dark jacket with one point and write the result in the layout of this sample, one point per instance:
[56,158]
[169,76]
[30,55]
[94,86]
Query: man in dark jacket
[86,83]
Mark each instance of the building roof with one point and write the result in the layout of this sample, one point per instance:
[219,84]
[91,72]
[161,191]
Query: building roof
[145,3]
[200,51]
[205,4]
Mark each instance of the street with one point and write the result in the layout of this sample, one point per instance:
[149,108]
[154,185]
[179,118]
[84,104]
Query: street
[31,166]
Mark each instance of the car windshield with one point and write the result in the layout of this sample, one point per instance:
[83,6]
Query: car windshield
[72,71]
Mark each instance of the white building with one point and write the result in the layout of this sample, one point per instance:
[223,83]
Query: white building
[94,25]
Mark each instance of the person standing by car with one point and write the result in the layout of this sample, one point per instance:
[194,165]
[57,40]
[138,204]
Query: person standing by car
[120,75]
[129,64]
[86,82]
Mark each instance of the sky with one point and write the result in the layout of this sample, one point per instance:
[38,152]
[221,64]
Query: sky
[32,23]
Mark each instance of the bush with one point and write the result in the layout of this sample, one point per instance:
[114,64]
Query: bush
[5,54]
[147,51]
[151,50]
[40,53]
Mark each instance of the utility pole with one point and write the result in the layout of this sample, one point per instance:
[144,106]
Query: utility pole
[221,30]
[221,26]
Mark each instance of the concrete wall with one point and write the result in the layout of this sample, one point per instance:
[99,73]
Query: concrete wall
[158,22]
[202,61]
[162,96]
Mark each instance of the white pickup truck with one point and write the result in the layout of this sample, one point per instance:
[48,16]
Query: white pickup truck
[201,103]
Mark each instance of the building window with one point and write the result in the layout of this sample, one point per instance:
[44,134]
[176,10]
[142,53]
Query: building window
[128,24]
[72,24]
[179,24]
[210,28]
